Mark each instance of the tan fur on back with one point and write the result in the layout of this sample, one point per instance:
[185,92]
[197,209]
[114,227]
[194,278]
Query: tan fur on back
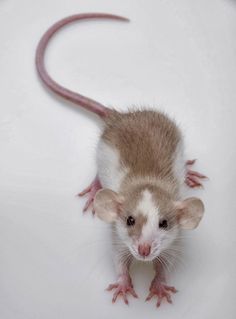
[146,141]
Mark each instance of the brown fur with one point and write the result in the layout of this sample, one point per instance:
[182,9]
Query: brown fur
[146,141]
[136,230]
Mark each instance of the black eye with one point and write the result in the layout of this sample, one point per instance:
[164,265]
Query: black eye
[163,224]
[130,221]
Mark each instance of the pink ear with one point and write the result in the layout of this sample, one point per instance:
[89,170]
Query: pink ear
[189,212]
[107,205]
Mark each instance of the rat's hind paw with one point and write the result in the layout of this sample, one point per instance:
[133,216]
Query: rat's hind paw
[91,190]
[193,178]
[160,290]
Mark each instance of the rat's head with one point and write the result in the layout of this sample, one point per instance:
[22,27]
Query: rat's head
[147,220]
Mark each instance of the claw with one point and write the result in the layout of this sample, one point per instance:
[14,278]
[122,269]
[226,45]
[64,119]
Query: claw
[85,191]
[112,286]
[194,173]
[133,293]
[151,294]
[87,204]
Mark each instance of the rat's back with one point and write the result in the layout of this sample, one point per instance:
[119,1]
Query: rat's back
[141,143]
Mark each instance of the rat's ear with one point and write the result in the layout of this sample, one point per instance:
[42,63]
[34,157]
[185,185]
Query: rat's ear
[107,205]
[189,212]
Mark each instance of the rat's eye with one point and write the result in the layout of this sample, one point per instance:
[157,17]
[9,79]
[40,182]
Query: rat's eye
[163,224]
[130,221]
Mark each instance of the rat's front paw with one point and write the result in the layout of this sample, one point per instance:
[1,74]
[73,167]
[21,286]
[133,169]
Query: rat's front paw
[160,290]
[122,287]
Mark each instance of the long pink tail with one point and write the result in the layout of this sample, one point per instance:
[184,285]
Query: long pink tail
[74,97]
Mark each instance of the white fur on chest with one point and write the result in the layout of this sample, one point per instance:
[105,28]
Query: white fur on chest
[110,171]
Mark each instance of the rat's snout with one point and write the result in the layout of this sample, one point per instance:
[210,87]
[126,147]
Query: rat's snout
[144,250]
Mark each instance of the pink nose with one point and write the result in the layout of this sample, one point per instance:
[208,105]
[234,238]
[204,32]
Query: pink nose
[144,250]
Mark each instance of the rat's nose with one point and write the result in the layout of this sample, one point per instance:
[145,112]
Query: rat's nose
[144,250]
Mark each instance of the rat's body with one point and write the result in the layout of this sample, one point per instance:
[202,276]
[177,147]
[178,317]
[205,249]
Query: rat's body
[141,171]
[145,144]
[140,157]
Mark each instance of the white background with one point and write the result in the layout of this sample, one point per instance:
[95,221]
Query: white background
[178,56]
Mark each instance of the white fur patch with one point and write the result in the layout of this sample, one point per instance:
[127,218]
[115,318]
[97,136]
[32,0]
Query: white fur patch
[148,208]
[111,173]
[179,163]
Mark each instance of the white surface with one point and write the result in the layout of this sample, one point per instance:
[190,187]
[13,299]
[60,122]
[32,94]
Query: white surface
[176,55]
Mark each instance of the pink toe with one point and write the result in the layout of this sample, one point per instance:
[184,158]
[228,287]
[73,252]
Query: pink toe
[88,203]
[168,298]
[194,173]
[125,299]
[111,286]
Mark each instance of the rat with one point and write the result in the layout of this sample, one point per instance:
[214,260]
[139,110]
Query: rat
[138,189]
